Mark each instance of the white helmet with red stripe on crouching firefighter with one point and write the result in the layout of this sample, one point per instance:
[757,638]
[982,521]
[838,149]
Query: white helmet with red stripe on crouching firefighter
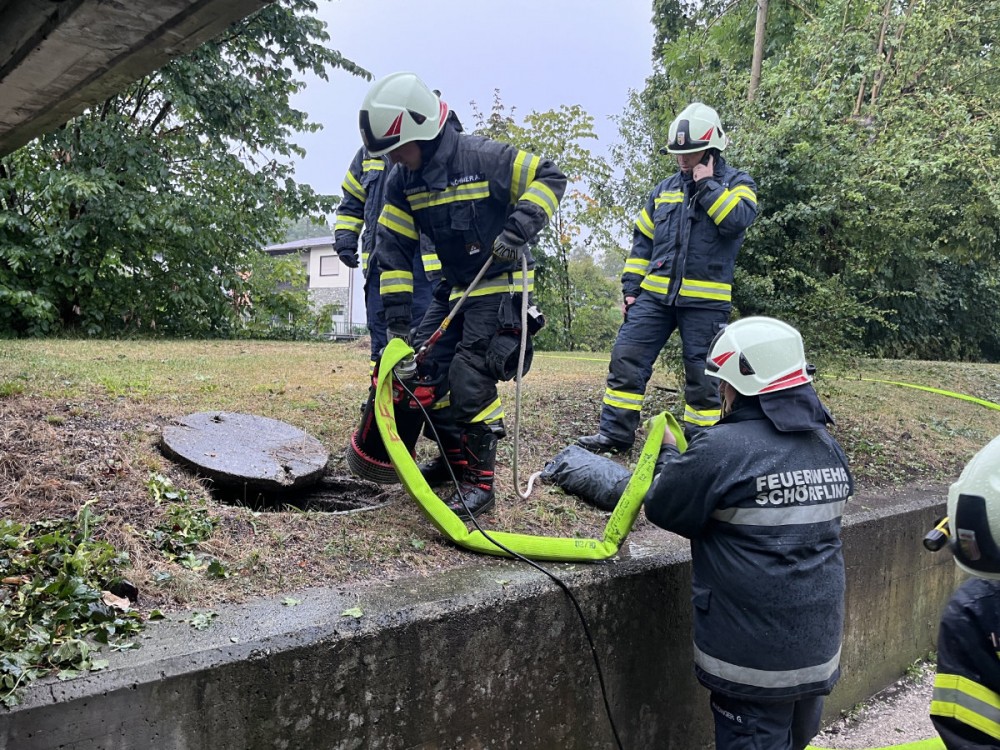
[974,514]
[765,358]
[696,128]
[399,109]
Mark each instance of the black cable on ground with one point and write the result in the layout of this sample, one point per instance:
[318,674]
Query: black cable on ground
[558,581]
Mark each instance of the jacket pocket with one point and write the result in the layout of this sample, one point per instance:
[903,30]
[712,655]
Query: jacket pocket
[701,597]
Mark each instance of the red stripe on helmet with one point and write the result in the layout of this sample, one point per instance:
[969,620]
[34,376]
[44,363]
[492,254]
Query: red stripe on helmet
[721,359]
[708,134]
[396,126]
[443,110]
[798,377]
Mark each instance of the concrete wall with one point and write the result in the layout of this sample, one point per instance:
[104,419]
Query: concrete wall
[491,656]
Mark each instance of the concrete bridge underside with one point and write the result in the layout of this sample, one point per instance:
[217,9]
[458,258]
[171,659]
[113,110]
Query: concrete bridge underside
[57,57]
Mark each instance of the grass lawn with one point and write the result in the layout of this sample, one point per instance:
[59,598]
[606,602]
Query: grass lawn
[80,421]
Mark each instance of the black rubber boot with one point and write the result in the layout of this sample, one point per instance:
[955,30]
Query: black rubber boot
[602,444]
[480,443]
[442,469]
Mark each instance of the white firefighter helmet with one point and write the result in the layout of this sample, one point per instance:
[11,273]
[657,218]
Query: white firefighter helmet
[398,109]
[697,128]
[758,355]
[974,514]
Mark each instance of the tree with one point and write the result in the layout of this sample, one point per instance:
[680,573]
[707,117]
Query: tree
[141,213]
[584,220]
[872,140]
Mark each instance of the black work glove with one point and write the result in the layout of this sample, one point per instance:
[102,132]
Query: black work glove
[508,247]
[348,257]
[346,247]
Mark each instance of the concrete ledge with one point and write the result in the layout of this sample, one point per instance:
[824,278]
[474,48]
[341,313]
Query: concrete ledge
[490,656]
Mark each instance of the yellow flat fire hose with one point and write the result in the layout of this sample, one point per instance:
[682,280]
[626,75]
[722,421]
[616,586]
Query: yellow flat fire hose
[934,743]
[555,549]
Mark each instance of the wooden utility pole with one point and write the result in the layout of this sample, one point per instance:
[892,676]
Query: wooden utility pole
[759,35]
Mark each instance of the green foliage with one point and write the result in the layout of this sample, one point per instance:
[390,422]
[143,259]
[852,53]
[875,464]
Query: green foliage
[585,223]
[872,140]
[53,616]
[187,526]
[140,214]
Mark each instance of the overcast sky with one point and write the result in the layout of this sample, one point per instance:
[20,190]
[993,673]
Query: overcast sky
[540,54]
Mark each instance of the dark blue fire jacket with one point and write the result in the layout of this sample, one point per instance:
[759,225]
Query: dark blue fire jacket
[762,509]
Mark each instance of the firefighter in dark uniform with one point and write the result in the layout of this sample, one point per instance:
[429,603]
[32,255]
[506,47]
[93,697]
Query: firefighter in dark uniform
[679,275]
[357,217]
[760,496]
[965,707]
[472,197]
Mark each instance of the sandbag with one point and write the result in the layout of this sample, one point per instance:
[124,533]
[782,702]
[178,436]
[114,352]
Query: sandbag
[596,480]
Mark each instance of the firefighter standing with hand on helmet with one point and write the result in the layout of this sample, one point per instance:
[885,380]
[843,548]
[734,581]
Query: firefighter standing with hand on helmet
[679,275]
[472,197]
[760,496]
[357,218]
[965,706]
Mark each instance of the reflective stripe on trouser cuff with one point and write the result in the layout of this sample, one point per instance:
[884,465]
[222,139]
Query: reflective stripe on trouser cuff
[781,515]
[511,285]
[763,678]
[968,702]
[701,417]
[492,413]
[443,403]
[623,400]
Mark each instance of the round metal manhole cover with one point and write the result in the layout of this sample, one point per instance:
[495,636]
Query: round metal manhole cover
[245,450]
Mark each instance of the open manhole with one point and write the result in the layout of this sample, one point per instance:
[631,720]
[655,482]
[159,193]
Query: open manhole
[331,494]
[266,464]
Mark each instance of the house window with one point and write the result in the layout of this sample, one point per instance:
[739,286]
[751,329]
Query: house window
[329,265]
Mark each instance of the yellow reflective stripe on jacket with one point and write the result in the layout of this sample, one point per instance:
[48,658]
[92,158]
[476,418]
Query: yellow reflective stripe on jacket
[443,402]
[701,417]
[523,174]
[369,165]
[470,191]
[655,284]
[393,282]
[728,200]
[541,195]
[492,413]
[430,262]
[644,224]
[638,266]
[967,701]
[364,258]
[706,290]
[500,285]
[355,188]
[398,221]
[623,399]
[668,196]
[350,223]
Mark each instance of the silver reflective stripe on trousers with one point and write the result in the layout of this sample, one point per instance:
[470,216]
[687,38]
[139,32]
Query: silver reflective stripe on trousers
[781,515]
[763,678]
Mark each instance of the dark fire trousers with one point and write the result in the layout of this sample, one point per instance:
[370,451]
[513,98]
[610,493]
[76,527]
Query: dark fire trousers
[640,339]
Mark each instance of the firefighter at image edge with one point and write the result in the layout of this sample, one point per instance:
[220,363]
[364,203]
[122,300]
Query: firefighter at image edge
[471,196]
[965,706]
[760,496]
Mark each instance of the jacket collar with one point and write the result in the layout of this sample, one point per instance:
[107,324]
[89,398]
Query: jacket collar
[435,172]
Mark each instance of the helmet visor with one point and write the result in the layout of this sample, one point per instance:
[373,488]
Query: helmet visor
[972,541]
[377,146]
